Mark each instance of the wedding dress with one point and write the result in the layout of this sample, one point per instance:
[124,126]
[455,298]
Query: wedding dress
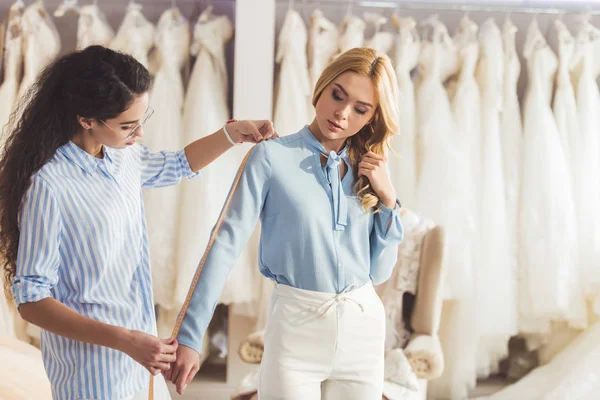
[440,155]
[322,45]
[135,35]
[205,111]
[548,236]
[572,374]
[579,160]
[293,93]
[380,41]
[586,162]
[403,159]
[440,178]
[459,345]
[352,34]
[41,43]
[496,275]
[93,28]
[164,131]
[511,133]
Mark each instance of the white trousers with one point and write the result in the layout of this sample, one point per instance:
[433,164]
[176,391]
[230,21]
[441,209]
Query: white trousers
[323,346]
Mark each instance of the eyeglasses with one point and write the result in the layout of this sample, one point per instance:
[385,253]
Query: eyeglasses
[149,113]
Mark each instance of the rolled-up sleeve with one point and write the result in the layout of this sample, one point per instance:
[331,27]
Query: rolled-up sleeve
[386,235]
[164,168]
[38,258]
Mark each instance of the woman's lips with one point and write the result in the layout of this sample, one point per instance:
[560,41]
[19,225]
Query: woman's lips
[334,127]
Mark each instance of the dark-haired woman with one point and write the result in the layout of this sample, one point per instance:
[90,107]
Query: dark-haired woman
[73,235]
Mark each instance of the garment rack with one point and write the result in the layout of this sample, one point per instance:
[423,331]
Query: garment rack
[401,5]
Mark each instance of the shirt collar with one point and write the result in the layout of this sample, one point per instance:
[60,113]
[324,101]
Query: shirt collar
[312,141]
[82,159]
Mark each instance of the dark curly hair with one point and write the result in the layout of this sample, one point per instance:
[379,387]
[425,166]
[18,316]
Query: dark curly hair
[94,83]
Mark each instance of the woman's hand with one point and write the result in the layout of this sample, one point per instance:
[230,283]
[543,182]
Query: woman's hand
[184,368]
[249,131]
[153,353]
[374,167]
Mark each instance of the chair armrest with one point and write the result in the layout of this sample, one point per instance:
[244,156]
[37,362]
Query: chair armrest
[424,352]
[252,348]
[427,311]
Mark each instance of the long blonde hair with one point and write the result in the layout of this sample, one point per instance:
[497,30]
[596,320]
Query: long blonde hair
[374,136]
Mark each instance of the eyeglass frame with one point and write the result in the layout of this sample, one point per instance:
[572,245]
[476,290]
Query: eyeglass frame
[149,113]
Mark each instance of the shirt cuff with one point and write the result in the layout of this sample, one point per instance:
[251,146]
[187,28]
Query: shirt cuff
[388,211]
[185,165]
[191,344]
[25,291]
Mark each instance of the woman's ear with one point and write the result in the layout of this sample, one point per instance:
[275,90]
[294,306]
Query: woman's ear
[86,123]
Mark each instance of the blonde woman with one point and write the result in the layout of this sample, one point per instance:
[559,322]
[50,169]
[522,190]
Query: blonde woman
[330,228]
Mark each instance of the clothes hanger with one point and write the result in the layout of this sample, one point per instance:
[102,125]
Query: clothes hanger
[508,19]
[430,21]
[430,24]
[377,19]
[66,6]
[133,4]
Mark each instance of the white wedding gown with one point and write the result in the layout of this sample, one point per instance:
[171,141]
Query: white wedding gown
[352,34]
[511,133]
[579,161]
[573,374]
[586,152]
[403,159]
[466,109]
[206,111]
[135,35]
[322,45]
[293,92]
[93,28]
[439,178]
[460,345]
[440,156]
[13,62]
[164,131]
[496,275]
[381,41]
[548,236]
[41,43]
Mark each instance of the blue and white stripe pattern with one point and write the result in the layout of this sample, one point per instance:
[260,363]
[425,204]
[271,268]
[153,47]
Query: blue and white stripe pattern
[84,243]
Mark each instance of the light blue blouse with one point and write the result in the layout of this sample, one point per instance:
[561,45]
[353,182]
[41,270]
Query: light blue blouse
[313,236]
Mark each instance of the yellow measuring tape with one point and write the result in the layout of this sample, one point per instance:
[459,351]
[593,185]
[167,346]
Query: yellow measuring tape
[202,262]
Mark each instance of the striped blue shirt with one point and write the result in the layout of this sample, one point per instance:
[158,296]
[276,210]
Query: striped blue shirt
[285,187]
[83,242]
